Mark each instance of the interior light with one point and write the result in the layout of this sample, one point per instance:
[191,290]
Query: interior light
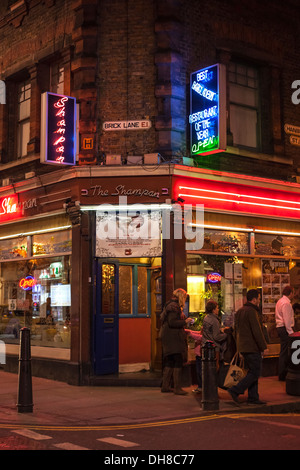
[36,232]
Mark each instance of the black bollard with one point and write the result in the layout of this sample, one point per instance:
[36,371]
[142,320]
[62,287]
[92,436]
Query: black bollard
[24,403]
[210,398]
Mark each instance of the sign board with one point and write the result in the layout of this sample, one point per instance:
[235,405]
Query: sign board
[290,129]
[58,129]
[208,110]
[294,140]
[126,125]
[124,235]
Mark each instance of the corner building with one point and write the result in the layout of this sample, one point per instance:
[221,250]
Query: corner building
[92,302]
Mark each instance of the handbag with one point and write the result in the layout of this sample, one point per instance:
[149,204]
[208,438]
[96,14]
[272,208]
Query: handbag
[236,372]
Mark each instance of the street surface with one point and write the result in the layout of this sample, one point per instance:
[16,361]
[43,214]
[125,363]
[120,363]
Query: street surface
[188,437]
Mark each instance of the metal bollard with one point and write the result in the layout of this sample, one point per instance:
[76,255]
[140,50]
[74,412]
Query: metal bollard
[210,398]
[24,403]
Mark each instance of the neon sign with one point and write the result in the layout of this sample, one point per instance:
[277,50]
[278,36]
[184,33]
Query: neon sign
[58,129]
[213,278]
[10,208]
[208,110]
[27,282]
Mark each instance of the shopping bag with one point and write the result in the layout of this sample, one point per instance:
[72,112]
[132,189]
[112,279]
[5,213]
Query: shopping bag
[236,372]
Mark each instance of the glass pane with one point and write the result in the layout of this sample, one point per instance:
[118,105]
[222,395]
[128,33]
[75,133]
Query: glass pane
[142,289]
[225,241]
[242,95]
[23,138]
[243,125]
[36,294]
[56,242]
[108,289]
[14,248]
[195,289]
[125,290]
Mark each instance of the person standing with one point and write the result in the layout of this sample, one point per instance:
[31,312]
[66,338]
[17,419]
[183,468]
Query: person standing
[173,340]
[211,329]
[284,318]
[197,337]
[251,343]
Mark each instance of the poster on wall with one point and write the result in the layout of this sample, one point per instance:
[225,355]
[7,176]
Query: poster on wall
[275,276]
[121,235]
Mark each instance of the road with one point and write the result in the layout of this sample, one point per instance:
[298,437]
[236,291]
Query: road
[185,437]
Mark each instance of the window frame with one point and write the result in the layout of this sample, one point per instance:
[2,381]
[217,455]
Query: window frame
[134,292]
[245,106]
[23,88]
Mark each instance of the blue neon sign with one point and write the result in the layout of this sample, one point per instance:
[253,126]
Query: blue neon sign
[208,110]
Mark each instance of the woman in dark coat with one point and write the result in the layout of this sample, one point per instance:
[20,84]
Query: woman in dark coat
[173,339]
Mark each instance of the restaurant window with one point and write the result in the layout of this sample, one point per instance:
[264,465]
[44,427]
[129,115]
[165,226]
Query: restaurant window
[244,105]
[23,129]
[134,286]
[36,293]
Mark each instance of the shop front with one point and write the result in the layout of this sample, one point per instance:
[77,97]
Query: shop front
[251,239]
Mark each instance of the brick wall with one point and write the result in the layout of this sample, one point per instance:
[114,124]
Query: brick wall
[132,59]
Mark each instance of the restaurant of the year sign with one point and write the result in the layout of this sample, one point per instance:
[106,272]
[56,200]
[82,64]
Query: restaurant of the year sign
[208,110]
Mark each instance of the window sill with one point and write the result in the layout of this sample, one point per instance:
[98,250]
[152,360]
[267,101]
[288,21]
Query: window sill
[259,156]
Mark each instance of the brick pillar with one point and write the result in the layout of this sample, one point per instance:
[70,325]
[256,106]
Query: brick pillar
[84,73]
[276,111]
[170,88]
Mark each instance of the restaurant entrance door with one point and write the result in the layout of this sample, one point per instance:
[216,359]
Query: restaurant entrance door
[106,318]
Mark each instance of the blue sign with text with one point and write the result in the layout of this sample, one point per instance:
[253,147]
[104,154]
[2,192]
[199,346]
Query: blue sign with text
[207,110]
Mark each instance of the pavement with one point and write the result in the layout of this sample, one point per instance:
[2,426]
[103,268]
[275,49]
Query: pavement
[57,403]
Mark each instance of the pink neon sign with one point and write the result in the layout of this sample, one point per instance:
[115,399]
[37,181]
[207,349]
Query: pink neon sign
[58,129]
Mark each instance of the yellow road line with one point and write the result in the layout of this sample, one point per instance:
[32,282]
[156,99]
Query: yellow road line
[108,427]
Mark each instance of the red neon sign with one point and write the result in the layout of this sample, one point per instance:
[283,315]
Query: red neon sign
[238,198]
[58,129]
[213,277]
[9,208]
[27,282]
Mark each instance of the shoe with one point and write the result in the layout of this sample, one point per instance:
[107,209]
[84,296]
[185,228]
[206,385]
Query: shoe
[256,402]
[197,390]
[234,396]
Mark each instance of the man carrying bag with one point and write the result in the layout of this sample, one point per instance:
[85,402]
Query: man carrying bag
[251,343]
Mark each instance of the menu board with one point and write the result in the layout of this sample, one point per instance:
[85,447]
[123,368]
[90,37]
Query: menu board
[275,276]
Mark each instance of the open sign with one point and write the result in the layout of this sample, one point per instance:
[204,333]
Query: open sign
[27,282]
[213,277]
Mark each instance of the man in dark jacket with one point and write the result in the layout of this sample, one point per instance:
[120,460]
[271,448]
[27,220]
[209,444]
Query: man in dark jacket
[251,343]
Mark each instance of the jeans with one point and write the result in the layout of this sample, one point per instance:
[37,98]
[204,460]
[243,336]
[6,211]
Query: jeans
[283,357]
[253,362]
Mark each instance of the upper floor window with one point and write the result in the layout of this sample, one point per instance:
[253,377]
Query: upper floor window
[244,105]
[23,130]
[57,78]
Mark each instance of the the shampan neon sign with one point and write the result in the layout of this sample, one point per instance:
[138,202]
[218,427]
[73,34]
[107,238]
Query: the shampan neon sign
[58,133]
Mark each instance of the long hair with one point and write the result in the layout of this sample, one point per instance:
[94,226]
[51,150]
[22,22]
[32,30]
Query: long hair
[181,295]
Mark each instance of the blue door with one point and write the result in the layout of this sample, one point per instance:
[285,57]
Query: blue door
[106,318]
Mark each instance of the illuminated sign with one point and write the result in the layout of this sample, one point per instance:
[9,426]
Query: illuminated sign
[27,282]
[10,208]
[213,278]
[208,110]
[58,129]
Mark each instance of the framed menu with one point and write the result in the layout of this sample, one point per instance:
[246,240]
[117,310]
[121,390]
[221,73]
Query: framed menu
[275,276]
